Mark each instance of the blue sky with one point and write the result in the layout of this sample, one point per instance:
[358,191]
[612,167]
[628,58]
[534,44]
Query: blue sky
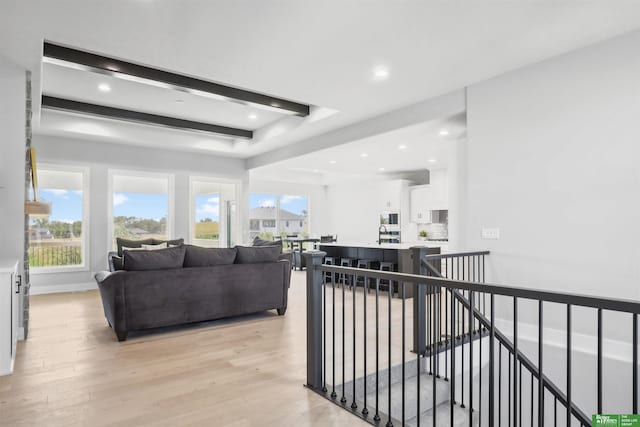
[66,205]
[208,206]
[295,204]
[141,205]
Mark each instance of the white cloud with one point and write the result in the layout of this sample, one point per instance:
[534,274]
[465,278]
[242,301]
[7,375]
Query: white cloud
[66,221]
[119,199]
[209,208]
[63,194]
[215,200]
[288,199]
[267,203]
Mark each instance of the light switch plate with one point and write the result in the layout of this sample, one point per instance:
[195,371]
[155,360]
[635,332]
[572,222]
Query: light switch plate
[491,233]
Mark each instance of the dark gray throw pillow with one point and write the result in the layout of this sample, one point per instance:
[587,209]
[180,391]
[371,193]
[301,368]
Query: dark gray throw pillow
[117,263]
[160,259]
[255,254]
[259,242]
[131,243]
[197,256]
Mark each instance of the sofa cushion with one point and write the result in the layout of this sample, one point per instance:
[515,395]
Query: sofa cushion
[117,263]
[197,256]
[155,247]
[255,254]
[161,259]
[120,242]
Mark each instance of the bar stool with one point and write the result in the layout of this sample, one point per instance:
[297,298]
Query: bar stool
[345,279]
[329,260]
[387,266]
[365,264]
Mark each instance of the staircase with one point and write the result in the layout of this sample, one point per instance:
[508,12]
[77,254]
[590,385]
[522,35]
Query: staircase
[463,370]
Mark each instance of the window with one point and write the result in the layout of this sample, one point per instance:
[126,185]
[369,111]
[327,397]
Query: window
[213,216]
[273,215]
[141,206]
[58,242]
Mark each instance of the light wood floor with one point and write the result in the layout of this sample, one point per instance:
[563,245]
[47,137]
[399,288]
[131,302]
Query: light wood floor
[241,372]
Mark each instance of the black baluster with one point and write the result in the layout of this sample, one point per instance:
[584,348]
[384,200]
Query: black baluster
[634,394]
[520,396]
[354,405]
[389,423]
[471,305]
[510,390]
[435,322]
[419,331]
[324,332]
[365,411]
[403,347]
[599,361]
[499,381]
[569,403]
[480,374]
[515,361]
[446,333]
[540,362]
[531,406]
[333,347]
[453,357]
[376,417]
[343,399]
[462,350]
[555,412]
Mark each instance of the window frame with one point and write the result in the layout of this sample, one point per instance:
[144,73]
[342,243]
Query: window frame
[170,177]
[222,236]
[86,226]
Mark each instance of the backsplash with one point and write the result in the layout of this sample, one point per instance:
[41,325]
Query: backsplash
[435,231]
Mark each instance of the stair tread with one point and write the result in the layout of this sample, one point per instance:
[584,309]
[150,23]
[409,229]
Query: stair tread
[426,393]
[461,417]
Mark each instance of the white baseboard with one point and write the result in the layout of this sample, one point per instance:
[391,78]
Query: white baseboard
[55,289]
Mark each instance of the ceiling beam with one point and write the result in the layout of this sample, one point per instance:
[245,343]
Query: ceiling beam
[79,107]
[88,61]
[440,107]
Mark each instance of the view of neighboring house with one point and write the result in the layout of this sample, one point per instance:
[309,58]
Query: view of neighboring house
[270,222]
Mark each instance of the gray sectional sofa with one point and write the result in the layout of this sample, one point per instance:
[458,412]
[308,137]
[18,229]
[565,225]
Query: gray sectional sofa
[186,284]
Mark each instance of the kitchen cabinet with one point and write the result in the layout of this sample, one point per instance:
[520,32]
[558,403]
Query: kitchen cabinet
[431,197]
[9,299]
[391,195]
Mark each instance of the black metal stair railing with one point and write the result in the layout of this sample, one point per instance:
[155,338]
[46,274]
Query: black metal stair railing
[460,369]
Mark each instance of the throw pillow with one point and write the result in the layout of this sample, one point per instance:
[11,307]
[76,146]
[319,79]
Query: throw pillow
[197,256]
[175,242]
[120,242]
[259,242]
[155,247]
[161,259]
[255,254]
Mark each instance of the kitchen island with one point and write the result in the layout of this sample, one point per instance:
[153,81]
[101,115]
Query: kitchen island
[400,254]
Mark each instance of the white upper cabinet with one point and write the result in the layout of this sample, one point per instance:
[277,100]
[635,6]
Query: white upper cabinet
[390,195]
[431,197]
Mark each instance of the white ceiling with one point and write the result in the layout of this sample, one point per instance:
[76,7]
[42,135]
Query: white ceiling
[319,53]
[413,148]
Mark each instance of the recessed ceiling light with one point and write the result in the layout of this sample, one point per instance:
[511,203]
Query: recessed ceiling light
[253,116]
[364,155]
[402,147]
[380,73]
[444,132]
[103,87]
[432,160]
[333,162]
[381,169]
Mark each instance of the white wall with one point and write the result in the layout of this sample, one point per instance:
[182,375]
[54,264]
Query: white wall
[100,157]
[552,161]
[12,159]
[317,194]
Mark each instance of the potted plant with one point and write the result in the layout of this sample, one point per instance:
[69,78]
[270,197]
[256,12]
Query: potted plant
[422,235]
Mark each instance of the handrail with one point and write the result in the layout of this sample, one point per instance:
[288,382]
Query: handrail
[435,257]
[623,305]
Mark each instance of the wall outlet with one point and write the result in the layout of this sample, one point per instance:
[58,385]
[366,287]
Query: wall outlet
[491,233]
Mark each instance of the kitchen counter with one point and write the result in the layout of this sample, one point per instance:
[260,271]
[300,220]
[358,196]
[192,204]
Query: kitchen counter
[397,246]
